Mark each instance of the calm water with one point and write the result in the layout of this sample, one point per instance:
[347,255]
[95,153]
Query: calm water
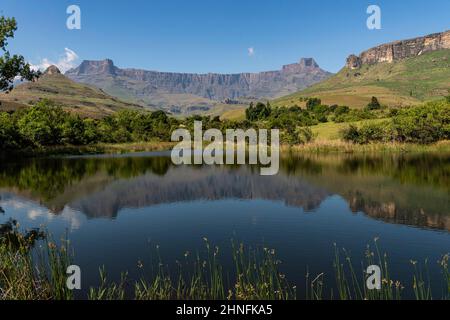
[116,209]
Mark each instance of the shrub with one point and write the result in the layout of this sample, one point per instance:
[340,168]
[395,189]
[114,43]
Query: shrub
[8,132]
[371,132]
[373,104]
[312,102]
[351,134]
[260,112]
[42,124]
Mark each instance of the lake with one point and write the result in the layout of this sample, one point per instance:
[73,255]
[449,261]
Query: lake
[116,209]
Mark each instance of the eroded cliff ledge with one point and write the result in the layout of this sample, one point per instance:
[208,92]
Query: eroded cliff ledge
[399,50]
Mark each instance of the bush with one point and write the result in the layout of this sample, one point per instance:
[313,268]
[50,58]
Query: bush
[351,134]
[371,132]
[42,124]
[373,104]
[260,112]
[8,132]
[423,124]
[312,102]
[73,131]
[296,136]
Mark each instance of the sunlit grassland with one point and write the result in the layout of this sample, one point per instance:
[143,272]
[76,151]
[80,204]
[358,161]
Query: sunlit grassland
[324,146]
[332,130]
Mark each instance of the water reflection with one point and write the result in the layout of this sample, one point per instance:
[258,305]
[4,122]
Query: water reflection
[412,189]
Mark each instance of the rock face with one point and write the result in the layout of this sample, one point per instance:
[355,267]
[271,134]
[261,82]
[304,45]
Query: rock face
[52,70]
[399,50]
[144,85]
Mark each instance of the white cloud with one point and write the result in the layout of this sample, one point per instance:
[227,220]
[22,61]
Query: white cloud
[251,51]
[67,61]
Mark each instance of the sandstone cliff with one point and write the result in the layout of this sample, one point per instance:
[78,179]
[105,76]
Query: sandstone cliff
[399,50]
[148,86]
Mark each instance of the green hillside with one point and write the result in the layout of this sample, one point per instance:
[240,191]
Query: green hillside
[77,98]
[406,82]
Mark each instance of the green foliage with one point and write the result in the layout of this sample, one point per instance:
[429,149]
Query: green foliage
[260,112]
[42,124]
[296,136]
[8,132]
[312,102]
[45,124]
[15,65]
[422,124]
[373,104]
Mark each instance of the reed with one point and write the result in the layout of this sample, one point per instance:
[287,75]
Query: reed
[31,272]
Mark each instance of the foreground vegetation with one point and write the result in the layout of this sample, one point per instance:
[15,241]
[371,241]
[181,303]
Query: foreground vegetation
[47,128]
[40,274]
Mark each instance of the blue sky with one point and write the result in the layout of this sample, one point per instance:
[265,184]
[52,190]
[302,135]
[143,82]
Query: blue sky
[215,35]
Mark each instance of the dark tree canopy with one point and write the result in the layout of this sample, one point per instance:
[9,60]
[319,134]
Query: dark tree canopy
[11,66]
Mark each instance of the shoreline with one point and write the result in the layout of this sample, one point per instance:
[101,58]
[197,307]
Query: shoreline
[316,147]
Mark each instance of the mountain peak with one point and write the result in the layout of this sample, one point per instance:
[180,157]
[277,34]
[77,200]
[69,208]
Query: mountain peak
[104,67]
[308,62]
[305,64]
[52,70]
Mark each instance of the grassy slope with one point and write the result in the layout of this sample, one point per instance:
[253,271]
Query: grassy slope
[331,130]
[75,97]
[406,82]
[234,115]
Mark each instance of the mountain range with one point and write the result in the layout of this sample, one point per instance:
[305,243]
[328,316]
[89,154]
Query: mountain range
[400,73]
[183,93]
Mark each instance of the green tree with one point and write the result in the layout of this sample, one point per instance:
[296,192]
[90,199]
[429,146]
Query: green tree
[42,124]
[90,134]
[373,104]
[12,66]
[73,130]
[8,132]
[312,102]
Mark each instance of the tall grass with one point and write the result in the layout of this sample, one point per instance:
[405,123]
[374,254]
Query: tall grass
[28,272]
[256,276]
[32,274]
[351,285]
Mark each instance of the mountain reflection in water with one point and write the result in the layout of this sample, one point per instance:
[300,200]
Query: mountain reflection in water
[412,190]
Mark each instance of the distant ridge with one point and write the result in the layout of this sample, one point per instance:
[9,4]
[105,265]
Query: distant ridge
[169,90]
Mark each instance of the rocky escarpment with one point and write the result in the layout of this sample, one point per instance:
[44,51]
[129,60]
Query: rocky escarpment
[143,84]
[399,50]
